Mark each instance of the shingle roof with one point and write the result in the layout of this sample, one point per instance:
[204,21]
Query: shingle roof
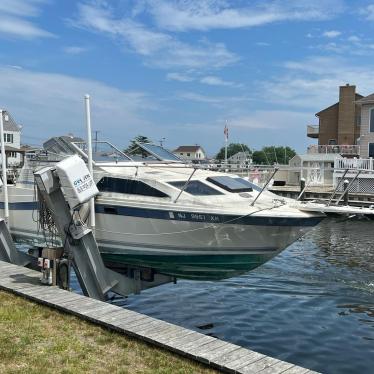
[366,99]
[9,122]
[187,148]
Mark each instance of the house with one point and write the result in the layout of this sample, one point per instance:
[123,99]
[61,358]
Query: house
[316,169]
[338,130]
[366,139]
[12,139]
[190,152]
[240,158]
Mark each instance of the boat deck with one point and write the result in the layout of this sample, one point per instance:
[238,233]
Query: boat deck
[218,354]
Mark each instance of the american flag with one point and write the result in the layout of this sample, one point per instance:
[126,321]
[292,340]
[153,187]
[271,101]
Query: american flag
[226,131]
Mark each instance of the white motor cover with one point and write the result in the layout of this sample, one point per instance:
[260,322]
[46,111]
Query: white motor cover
[76,181]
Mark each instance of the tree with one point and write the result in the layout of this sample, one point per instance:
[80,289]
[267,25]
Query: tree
[133,148]
[271,155]
[232,149]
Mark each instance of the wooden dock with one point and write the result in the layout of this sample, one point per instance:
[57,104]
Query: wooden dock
[218,354]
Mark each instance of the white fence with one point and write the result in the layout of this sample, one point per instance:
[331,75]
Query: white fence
[364,164]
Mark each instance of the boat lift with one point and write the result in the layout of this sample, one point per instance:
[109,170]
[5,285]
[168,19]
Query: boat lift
[63,189]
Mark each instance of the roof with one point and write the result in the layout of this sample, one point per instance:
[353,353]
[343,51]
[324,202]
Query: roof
[9,122]
[366,100]
[322,157]
[9,148]
[187,148]
[357,98]
[245,154]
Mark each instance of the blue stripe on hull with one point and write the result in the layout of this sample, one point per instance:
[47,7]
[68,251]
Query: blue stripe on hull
[205,217]
[184,216]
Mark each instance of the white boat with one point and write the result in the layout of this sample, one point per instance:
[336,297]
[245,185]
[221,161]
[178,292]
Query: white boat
[174,218]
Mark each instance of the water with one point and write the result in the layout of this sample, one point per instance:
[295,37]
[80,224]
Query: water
[313,305]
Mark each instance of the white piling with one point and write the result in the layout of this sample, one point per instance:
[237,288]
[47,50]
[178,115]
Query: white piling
[4,170]
[89,152]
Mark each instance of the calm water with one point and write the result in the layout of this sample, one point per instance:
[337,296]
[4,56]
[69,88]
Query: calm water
[313,305]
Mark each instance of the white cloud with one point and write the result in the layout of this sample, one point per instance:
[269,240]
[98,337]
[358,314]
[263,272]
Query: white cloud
[52,104]
[269,119]
[14,22]
[200,98]
[217,81]
[368,12]
[179,77]
[331,34]
[263,44]
[313,83]
[75,50]
[158,49]
[354,39]
[184,15]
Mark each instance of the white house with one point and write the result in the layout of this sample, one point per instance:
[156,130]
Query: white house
[240,158]
[12,138]
[317,169]
[190,152]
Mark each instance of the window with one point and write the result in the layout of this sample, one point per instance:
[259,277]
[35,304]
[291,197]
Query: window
[248,184]
[371,149]
[197,188]
[8,138]
[231,184]
[128,186]
[371,124]
[332,142]
[188,154]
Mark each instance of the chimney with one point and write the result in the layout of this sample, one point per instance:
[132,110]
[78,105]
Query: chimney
[346,116]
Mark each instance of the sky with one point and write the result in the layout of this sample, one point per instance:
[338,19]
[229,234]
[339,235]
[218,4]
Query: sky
[178,70]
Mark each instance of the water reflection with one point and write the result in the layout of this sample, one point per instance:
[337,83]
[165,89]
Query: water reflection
[348,243]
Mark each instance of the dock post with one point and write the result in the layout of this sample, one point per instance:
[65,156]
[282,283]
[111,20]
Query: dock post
[346,194]
[302,189]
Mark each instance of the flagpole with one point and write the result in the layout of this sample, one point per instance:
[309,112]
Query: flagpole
[226,138]
[4,170]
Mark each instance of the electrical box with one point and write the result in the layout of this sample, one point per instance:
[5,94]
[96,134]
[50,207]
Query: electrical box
[76,181]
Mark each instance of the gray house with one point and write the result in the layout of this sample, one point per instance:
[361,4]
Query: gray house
[12,139]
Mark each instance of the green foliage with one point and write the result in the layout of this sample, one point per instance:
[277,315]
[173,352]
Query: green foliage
[232,149]
[270,155]
[133,148]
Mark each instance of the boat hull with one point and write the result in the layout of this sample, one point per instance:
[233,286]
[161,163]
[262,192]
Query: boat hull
[182,244]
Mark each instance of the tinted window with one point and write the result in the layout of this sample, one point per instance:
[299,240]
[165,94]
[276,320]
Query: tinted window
[372,120]
[196,188]
[128,186]
[248,184]
[230,184]
[371,149]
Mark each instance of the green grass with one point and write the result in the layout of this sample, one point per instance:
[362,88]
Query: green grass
[35,339]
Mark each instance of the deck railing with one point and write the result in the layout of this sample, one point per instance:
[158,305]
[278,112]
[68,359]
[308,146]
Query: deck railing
[338,149]
[354,164]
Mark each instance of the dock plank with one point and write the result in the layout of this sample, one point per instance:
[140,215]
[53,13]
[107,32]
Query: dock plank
[227,357]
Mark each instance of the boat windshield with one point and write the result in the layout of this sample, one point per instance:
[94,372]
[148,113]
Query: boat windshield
[158,152]
[102,151]
[248,184]
[230,184]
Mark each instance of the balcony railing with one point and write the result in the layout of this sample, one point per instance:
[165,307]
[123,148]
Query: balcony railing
[312,131]
[346,150]
[354,163]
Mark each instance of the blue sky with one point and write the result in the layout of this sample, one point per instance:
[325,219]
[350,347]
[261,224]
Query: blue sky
[179,69]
